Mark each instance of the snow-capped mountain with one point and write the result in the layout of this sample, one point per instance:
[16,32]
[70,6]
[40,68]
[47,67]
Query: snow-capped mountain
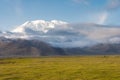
[38,26]
[63,34]
[51,38]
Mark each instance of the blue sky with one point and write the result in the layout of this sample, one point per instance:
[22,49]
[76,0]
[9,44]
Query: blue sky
[16,12]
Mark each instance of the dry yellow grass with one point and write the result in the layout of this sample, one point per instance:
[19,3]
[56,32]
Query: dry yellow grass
[61,68]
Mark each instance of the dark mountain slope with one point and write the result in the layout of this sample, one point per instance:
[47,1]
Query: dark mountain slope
[99,49]
[32,48]
[36,48]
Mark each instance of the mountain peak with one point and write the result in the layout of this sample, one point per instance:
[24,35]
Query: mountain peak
[38,25]
[63,34]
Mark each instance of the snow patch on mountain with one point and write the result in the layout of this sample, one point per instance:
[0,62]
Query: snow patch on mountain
[38,26]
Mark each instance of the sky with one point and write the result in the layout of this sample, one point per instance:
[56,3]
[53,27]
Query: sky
[16,12]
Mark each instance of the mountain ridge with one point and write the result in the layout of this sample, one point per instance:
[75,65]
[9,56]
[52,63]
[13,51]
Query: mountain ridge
[62,34]
[36,48]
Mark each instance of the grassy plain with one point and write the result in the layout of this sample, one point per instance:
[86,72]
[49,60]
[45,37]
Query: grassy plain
[61,68]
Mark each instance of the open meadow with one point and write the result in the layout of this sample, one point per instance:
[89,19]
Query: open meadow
[61,68]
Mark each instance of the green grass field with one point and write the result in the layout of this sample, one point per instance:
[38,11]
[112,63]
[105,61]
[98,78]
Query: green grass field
[61,68]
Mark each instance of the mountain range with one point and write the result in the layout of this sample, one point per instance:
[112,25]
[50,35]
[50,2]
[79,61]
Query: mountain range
[48,38]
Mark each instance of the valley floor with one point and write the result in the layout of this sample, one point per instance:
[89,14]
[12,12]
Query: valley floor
[61,68]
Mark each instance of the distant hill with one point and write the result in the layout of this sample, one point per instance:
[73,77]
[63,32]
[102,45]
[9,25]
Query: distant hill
[27,48]
[35,48]
[98,49]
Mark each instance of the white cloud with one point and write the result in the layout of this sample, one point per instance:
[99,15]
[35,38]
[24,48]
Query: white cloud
[102,18]
[102,33]
[113,4]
